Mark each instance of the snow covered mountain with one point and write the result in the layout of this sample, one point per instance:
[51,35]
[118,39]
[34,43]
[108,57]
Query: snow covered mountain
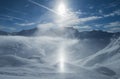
[73,32]
[23,55]
[107,60]
[90,41]
[31,57]
[109,54]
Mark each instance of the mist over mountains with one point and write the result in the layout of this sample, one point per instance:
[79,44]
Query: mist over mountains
[38,52]
[94,34]
[92,38]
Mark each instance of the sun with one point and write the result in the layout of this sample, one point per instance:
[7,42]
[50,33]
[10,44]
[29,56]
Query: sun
[61,10]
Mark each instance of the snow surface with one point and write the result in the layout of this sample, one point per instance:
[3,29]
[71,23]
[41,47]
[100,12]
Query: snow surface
[37,58]
[106,61]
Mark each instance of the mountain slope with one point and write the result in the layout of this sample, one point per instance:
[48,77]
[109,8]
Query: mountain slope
[106,61]
[109,54]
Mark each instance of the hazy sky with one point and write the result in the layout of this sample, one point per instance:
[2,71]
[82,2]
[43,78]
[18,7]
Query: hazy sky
[16,15]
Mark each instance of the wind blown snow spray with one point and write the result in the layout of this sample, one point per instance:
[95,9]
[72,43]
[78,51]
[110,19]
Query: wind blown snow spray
[62,58]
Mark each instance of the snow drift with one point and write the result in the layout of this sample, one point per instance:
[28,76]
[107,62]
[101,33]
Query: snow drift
[107,60]
[109,54]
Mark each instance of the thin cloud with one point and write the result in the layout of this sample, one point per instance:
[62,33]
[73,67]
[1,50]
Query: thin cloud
[115,29]
[100,11]
[83,27]
[7,28]
[40,5]
[25,24]
[113,4]
[91,18]
[117,12]
[13,17]
[91,7]
[16,11]
[113,24]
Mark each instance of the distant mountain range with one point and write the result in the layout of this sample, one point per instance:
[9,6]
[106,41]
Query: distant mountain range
[22,33]
[95,40]
[97,34]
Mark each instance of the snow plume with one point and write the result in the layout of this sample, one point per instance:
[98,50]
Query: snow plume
[106,56]
[33,56]
[30,47]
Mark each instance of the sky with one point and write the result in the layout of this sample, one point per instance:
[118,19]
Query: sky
[85,15]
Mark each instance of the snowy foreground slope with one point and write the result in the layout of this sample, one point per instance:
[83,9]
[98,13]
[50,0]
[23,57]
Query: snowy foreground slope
[106,61]
[36,58]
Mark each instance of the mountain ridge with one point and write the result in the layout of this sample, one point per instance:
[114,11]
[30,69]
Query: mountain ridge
[98,34]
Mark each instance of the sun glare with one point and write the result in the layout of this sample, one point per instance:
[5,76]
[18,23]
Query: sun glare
[62,61]
[61,58]
[61,9]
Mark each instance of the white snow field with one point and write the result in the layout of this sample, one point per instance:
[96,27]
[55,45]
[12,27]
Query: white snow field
[50,58]
[106,61]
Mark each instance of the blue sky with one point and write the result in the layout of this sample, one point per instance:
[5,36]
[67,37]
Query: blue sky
[16,15]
